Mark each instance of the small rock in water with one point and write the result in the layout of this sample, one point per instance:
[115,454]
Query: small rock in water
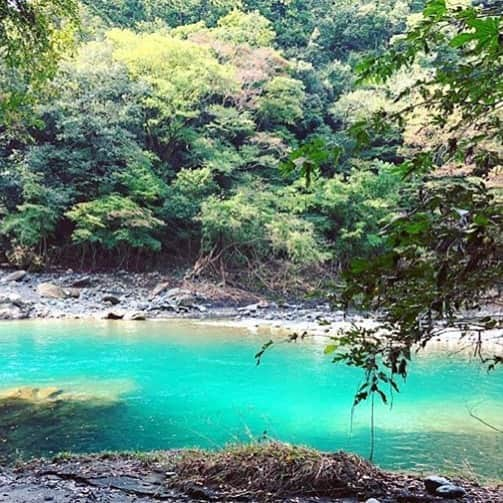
[432,482]
[450,491]
[372,500]
[114,315]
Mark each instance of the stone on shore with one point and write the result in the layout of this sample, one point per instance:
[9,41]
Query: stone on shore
[160,288]
[14,276]
[12,298]
[450,491]
[432,482]
[84,282]
[114,315]
[136,316]
[13,307]
[111,299]
[72,292]
[11,312]
[51,291]
[253,308]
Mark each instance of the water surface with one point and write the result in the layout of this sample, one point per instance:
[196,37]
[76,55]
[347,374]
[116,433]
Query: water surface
[161,385]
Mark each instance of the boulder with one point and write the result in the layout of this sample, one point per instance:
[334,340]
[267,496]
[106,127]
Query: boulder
[432,482]
[32,394]
[177,298]
[14,299]
[159,288]
[450,491]
[84,282]
[111,299]
[51,291]
[114,315]
[136,316]
[184,300]
[11,312]
[74,293]
[14,276]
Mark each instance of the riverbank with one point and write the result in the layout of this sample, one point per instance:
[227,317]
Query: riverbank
[124,295]
[256,473]
[154,296]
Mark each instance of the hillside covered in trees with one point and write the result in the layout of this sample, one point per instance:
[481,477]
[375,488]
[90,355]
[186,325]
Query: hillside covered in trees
[180,133]
[166,135]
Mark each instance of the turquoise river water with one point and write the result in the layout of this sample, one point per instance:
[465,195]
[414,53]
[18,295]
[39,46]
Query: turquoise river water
[161,385]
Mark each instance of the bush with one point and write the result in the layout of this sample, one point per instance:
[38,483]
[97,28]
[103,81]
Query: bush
[254,225]
[114,222]
[354,208]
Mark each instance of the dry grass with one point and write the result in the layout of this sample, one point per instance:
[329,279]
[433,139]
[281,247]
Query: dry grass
[220,293]
[274,470]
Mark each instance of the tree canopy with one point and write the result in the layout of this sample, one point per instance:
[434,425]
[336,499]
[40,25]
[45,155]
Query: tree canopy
[439,263]
[181,113]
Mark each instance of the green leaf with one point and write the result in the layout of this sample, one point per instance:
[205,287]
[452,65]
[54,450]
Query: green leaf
[330,349]
[481,220]
[416,227]
[461,39]
[435,9]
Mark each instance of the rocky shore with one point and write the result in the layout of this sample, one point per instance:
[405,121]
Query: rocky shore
[133,296]
[260,473]
[130,296]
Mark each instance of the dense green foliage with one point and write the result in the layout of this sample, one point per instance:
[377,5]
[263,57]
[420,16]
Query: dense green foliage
[33,36]
[442,262]
[161,133]
[439,260]
[178,130]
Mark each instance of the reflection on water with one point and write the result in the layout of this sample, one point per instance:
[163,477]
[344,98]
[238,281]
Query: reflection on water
[50,425]
[120,386]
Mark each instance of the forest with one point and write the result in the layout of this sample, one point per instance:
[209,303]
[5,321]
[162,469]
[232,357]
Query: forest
[175,133]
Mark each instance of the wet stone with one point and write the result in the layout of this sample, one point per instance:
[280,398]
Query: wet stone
[450,491]
[432,482]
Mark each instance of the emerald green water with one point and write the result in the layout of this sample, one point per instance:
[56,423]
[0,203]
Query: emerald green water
[160,385]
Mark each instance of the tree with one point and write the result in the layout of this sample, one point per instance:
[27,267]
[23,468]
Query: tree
[88,144]
[182,75]
[33,36]
[245,28]
[444,249]
[115,223]
[282,100]
[441,256]
[352,209]
[254,226]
